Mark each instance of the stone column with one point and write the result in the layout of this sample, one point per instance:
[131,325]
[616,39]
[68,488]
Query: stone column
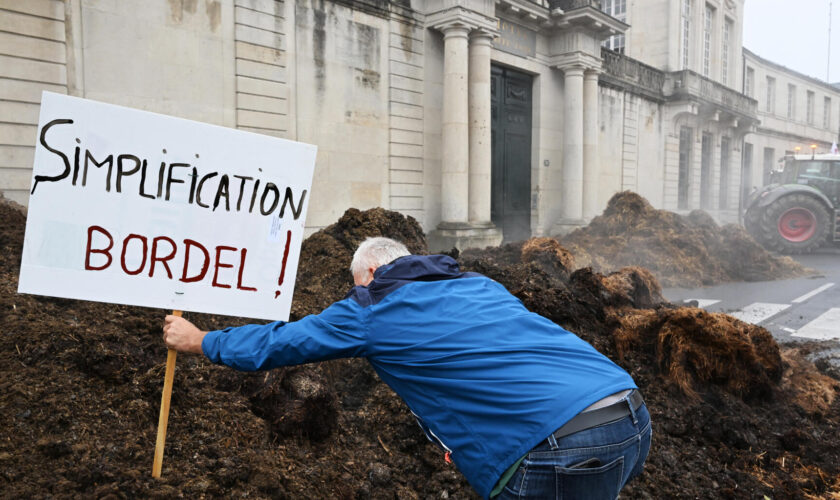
[455,131]
[479,129]
[572,190]
[591,169]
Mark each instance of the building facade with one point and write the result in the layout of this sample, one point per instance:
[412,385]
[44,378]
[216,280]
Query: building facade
[483,119]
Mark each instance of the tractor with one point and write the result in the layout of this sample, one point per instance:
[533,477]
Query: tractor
[800,209]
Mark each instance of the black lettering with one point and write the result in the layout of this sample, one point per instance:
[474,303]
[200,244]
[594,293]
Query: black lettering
[171,180]
[76,164]
[222,190]
[198,190]
[121,172]
[143,181]
[66,172]
[193,181]
[161,170]
[288,199]
[272,187]
[254,196]
[241,189]
[109,160]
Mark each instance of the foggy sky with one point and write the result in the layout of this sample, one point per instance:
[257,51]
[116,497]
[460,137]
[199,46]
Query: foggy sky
[794,33]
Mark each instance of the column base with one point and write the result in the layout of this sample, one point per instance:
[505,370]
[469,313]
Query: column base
[566,226]
[463,235]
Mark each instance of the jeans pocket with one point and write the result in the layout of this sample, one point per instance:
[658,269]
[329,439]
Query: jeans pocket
[586,481]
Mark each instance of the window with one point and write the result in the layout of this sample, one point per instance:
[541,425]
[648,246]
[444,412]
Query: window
[686,30]
[706,171]
[771,94]
[791,101]
[827,113]
[809,108]
[749,83]
[724,56]
[618,10]
[769,154]
[685,167]
[707,40]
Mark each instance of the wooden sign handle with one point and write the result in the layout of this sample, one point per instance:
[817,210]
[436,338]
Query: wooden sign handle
[171,354]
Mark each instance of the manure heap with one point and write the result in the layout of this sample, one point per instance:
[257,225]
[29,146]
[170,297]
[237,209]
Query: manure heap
[681,251]
[734,415]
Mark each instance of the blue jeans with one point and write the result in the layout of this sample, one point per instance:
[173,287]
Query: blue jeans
[590,464]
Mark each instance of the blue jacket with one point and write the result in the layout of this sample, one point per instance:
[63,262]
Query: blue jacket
[486,377]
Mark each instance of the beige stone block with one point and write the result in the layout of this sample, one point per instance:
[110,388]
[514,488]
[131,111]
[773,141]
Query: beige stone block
[406,97]
[15,178]
[17,156]
[283,134]
[409,150]
[406,137]
[261,54]
[262,87]
[261,70]
[27,69]
[53,9]
[409,190]
[411,203]
[261,20]
[262,103]
[402,42]
[406,163]
[25,24]
[257,36]
[402,123]
[16,90]
[406,70]
[17,135]
[406,110]
[266,6]
[406,177]
[258,119]
[19,112]
[403,83]
[365,194]
[33,48]
[407,30]
[403,56]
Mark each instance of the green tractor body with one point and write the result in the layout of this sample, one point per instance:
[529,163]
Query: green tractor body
[800,210]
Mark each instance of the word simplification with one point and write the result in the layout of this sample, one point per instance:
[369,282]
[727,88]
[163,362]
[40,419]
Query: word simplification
[211,190]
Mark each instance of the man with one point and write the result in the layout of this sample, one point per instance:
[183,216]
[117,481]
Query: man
[523,407]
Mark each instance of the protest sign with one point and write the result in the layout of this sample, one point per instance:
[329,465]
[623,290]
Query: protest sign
[138,208]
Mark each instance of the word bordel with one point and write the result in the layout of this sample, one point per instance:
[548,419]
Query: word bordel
[203,187]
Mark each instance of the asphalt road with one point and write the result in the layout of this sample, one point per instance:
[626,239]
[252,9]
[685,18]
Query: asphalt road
[796,309]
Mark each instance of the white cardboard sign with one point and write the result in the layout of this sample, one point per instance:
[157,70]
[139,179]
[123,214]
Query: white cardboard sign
[133,207]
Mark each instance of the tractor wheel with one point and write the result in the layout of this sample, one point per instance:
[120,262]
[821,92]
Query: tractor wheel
[752,224]
[795,223]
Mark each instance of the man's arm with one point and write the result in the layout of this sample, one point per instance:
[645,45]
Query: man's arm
[337,332]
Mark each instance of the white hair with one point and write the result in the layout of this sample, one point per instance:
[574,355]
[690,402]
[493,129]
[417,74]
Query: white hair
[375,252]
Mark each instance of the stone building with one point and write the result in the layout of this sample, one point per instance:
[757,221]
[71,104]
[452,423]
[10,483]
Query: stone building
[483,119]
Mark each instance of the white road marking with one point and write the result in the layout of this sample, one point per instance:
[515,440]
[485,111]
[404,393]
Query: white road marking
[703,303]
[789,330]
[757,312]
[812,293]
[825,327]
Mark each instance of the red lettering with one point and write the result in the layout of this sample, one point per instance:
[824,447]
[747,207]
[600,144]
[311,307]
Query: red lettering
[162,260]
[219,250]
[104,251]
[241,271]
[198,277]
[125,247]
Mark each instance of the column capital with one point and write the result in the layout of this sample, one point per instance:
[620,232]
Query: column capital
[456,17]
[483,36]
[591,73]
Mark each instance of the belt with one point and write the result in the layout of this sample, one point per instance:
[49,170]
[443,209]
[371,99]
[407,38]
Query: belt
[594,418]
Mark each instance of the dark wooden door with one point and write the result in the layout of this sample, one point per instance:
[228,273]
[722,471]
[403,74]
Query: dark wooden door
[511,148]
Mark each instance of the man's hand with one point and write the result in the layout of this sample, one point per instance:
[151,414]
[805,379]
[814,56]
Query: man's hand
[181,335]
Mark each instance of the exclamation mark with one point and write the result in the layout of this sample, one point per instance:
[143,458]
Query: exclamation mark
[285,258]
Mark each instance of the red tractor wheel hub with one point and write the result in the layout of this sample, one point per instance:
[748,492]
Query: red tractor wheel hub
[797,224]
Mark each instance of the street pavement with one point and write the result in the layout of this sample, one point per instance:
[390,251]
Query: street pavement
[795,309]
